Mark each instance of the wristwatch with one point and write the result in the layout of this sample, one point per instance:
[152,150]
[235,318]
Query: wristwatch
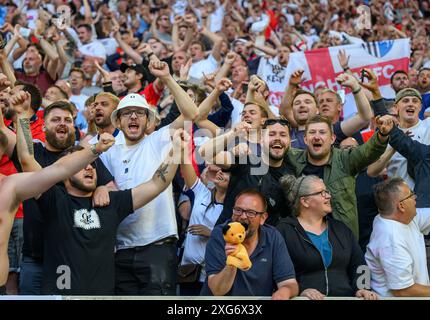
[93,148]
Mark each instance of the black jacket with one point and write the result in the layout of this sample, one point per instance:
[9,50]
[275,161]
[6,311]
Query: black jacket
[418,156]
[340,278]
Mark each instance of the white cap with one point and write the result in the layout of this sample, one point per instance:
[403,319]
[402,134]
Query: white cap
[133,100]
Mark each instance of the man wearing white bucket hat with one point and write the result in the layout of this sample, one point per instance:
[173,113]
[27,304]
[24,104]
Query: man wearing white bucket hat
[146,240]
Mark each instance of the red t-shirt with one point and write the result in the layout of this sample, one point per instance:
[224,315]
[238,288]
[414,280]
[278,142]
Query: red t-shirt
[6,166]
[43,80]
[151,94]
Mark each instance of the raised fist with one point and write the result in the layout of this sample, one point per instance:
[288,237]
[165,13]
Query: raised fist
[348,81]
[106,141]
[385,124]
[159,69]
[223,84]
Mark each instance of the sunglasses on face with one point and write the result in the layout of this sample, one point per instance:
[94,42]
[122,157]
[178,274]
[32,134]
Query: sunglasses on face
[270,122]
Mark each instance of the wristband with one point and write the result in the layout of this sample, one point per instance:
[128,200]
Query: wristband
[356,91]
[94,150]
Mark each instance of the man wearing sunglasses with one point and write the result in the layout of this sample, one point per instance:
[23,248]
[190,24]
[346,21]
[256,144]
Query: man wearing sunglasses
[272,272]
[249,170]
[396,252]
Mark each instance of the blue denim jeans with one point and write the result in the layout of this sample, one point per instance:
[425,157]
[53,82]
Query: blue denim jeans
[14,248]
[30,279]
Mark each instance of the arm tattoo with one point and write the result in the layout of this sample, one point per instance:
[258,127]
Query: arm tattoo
[162,171]
[25,127]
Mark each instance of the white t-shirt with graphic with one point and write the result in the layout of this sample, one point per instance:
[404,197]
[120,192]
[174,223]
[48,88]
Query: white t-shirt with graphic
[132,165]
[396,253]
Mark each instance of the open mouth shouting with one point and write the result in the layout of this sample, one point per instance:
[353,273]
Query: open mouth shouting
[133,127]
[89,175]
[317,146]
[410,111]
[62,132]
[99,115]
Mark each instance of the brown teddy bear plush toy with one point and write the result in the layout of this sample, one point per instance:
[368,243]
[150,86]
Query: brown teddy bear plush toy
[234,233]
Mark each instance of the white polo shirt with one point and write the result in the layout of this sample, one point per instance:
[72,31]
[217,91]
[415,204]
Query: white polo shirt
[131,166]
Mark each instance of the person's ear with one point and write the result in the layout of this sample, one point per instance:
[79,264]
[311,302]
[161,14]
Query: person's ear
[333,138]
[264,217]
[303,202]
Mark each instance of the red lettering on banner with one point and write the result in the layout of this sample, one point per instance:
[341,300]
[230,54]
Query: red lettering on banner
[323,74]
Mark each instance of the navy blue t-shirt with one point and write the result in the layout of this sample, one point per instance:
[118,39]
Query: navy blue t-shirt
[271,263]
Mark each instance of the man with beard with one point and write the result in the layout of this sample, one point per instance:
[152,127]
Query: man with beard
[7,167]
[252,170]
[272,272]
[146,241]
[19,187]
[337,168]
[103,106]
[60,135]
[81,236]
[33,72]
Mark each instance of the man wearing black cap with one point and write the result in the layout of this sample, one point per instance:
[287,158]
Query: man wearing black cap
[136,82]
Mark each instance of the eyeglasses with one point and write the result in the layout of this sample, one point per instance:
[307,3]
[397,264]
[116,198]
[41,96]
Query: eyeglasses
[140,113]
[411,195]
[249,213]
[323,193]
[270,122]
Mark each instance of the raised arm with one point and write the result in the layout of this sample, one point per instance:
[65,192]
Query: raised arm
[286,107]
[362,119]
[7,68]
[217,42]
[226,66]
[185,105]
[369,152]
[24,146]
[206,106]
[165,173]
[213,151]
[129,51]
[255,95]
[31,185]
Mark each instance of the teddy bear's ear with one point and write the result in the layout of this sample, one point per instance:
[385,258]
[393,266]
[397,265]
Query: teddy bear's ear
[225,228]
[245,225]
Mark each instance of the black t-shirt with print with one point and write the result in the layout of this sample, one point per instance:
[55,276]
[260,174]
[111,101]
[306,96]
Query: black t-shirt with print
[80,238]
[33,220]
[311,169]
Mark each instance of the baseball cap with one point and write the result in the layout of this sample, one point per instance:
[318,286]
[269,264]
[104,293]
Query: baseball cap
[407,92]
[136,67]
[132,100]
